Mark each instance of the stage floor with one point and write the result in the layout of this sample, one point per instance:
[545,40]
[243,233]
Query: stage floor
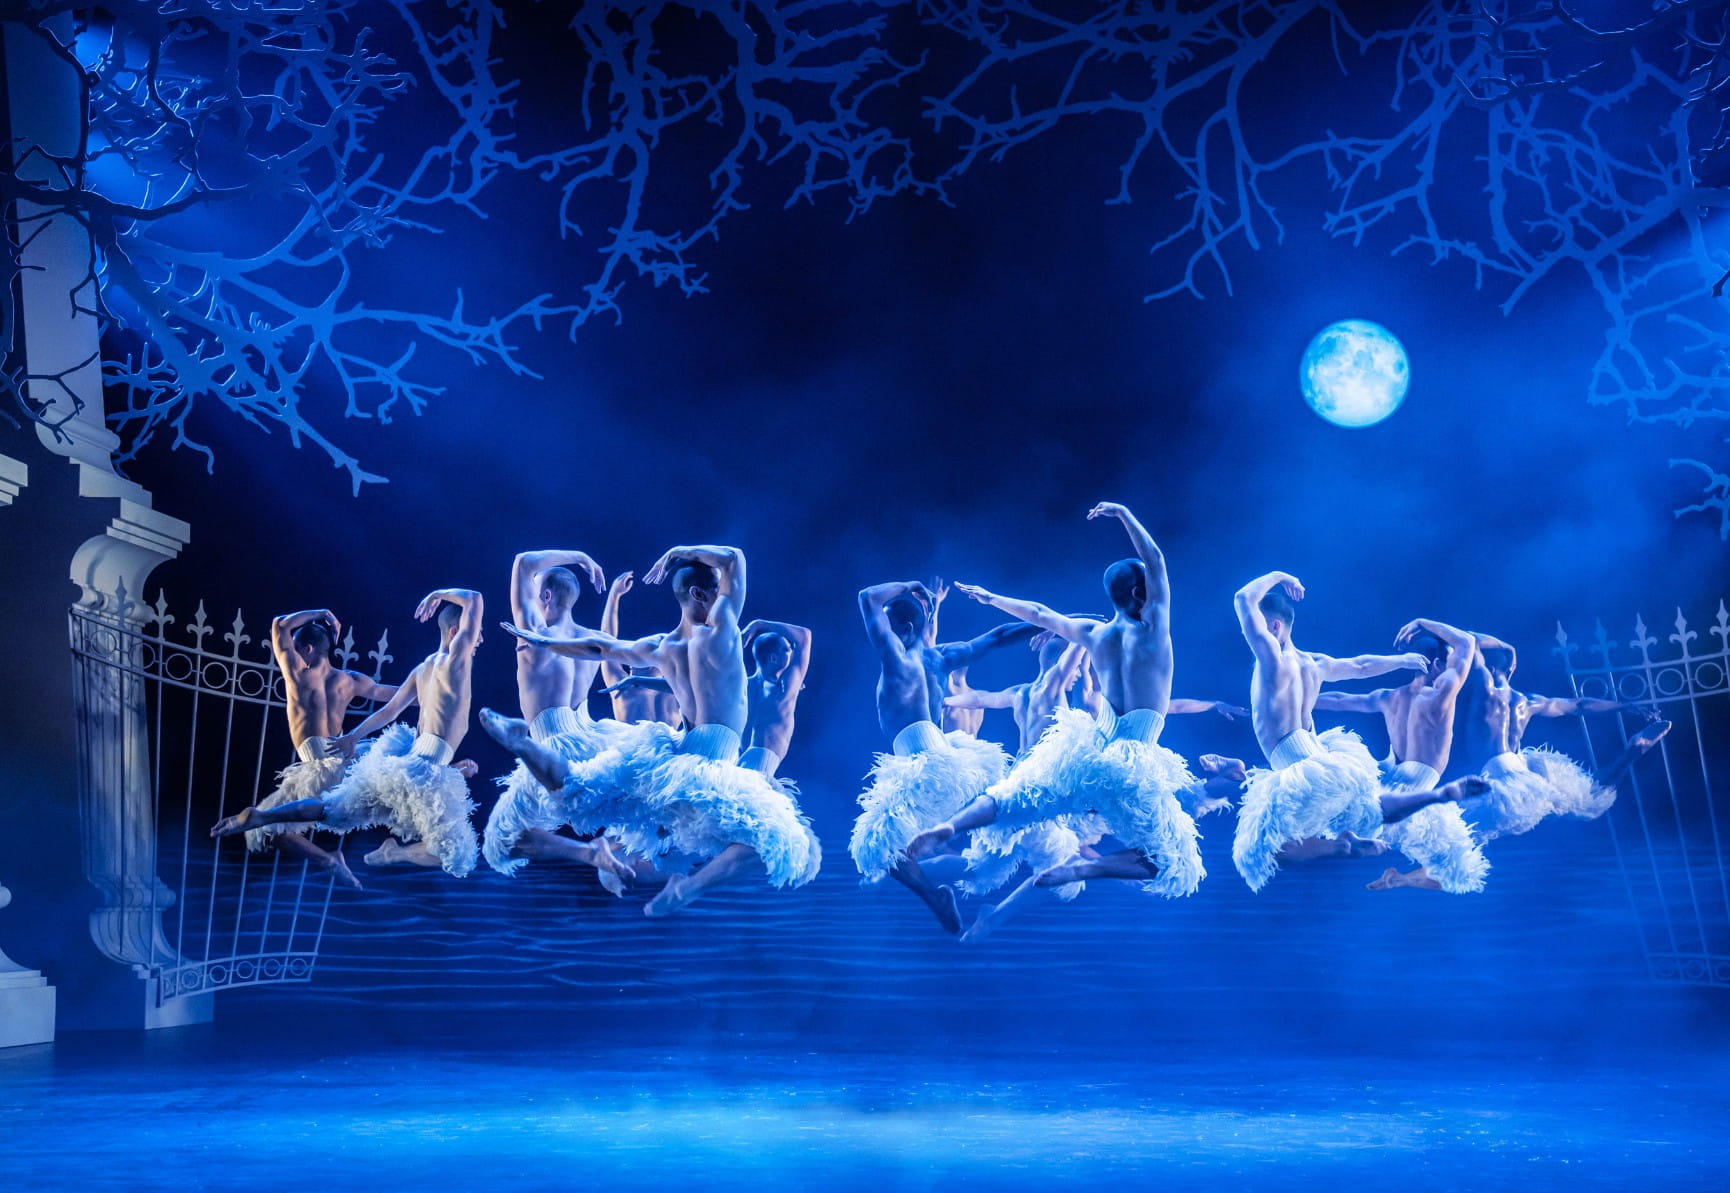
[206,1109]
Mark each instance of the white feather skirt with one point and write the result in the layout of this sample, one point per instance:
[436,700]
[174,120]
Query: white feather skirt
[909,793]
[1548,784]
[1337,792]
[1131,786]
[706,804]
[1438,839]
[524,804]
[297,781]
[417,798]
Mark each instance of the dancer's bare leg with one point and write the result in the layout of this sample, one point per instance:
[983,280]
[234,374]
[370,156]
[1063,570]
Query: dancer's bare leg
[981,811]
[725,866]
[1312,849]
[1396,808]
[1649,736]
[1125,863]
[539,845]
[297,846]
[395,853]
[300,809]
[1392,879]
[512,733]
[940,899]
[991,917]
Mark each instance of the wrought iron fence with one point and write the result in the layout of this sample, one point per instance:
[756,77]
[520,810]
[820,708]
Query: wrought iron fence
[175,731]
[1668,823]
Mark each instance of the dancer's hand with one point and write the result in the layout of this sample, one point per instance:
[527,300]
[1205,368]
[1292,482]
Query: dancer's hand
[466,767]
[1230,712]
[622,583]
[1293,586]
[593,571]
[1415,662]
[526,635]
[983,596]
[1107,509]
[340,747]
[429,606]
[1408,632]
[658,572]
[939,591]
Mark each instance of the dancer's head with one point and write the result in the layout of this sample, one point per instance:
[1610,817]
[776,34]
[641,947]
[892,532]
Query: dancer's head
[696,586]
[772,652]
[450,617]
[1431,647]
[1279,612]
[1051,649]
[1499,660]
[1126,585]
[559,591]
[314,641]
[908,617]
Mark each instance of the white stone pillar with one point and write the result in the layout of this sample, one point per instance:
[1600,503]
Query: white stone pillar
[62,350]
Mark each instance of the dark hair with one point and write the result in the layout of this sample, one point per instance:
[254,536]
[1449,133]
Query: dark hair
[450,617]
[1051,652]
[905,612]
[320,635]
[1126,585]
[1427,644]
[764,642]
[1499,659]
[694,575]
[562,583]
[1277,605]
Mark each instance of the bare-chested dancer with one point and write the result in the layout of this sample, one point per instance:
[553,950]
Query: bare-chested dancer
[1419,717]
[1526,785]
[661,791]
[962,717]
[553,690]
[319,695]
[644,699]
[1110,771]
[928,774]
[782,654]
[403,779]
[1324,786]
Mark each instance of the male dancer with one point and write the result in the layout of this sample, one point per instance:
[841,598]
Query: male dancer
[782,653]
[1113,768]
[928,774]
[686,792]
[553,690]
[1323,786]
[635,696]
[1420,722]
[404,779]
[318,697]
[963,717]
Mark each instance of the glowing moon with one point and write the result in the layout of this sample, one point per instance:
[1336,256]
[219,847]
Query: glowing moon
[1355,373]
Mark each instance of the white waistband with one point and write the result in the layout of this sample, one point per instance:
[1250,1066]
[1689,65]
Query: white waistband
[1294,747]
[760,758]
[919,737]
[1412,776]
[1506,764]
[431,745]
[313,749]
[714,741]
[550,722]
[1138,724]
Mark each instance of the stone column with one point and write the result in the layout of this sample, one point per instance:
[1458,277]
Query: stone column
[62,350]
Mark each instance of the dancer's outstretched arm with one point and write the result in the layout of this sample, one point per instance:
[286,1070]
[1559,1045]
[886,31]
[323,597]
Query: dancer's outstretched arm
[1070,629]
[1364,702]
[1568,706]
[407,693]
[1178,707]
[595,645]
[974,698]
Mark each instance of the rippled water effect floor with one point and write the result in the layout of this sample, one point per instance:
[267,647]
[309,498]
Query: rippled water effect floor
[204,1109]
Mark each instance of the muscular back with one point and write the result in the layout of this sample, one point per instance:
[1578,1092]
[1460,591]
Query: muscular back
[442,689]
[1420,720]
[318,699]
[910,688]
[1282,694]
[770,713]
[1134,663]
[1491,723]
[705,666]
[549,680]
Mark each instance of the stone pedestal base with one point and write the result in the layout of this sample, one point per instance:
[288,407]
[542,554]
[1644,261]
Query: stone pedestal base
[26,1008]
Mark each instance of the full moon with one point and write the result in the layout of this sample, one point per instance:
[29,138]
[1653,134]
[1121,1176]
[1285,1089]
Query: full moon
[1355,373]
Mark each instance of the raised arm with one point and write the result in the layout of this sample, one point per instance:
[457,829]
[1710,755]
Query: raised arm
[939,593]
[1152,558]
[1368,666]
[729,565]
[526,571]
[1365,702]
[1568,706]
[595,645]
[873,605]
[1462,650]
[1070,629]
[468,631]
[1060,678]
[797,635]
[611,672]
[1250,617]
[639,683]
[964,654]
[282,633]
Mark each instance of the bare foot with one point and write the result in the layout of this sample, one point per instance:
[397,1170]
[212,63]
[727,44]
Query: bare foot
[613,873]
[238,823]
[391,853]
[1224,767]
[338,867]
[466,767]
[671,898]
[947,909]
[1466,788]
[929,842]
[509,732]
[1356,846]
[1392,879]
[1650,736]
[981,926]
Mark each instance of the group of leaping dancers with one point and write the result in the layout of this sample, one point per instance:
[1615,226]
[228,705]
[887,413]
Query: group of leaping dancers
[679,790]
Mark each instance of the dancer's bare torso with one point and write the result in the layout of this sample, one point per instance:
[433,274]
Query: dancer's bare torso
[318,699]
[770,707]
[442,688]
[546,679]
[1282,694]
